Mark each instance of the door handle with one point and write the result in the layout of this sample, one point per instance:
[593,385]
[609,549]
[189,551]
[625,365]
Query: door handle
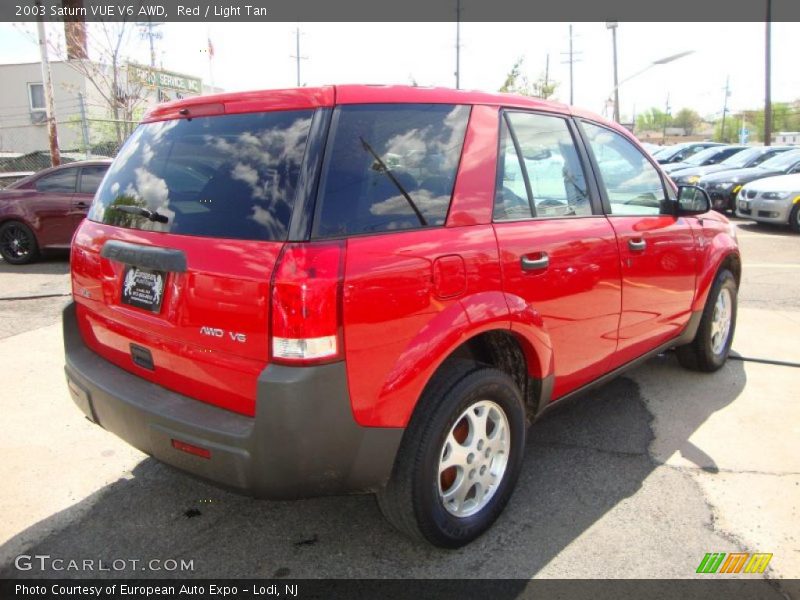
[637,245]
[81,204]
[535,264]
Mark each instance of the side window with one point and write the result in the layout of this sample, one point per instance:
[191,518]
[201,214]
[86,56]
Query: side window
[62,181]
[36,96]
[91,178]
[553,183]
[632,183]
[511,195]
[389,167]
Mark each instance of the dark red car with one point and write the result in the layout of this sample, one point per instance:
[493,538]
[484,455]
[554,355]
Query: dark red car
[42,211]
[375,289]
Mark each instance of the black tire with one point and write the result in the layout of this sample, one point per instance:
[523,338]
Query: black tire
[18,244]
[794,218]
[699,355]
[411,500]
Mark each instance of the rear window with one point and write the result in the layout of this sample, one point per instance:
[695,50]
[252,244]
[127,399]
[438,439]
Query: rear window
[389,167]
[230,176]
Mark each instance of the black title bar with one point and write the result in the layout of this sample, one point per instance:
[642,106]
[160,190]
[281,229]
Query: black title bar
[400,10]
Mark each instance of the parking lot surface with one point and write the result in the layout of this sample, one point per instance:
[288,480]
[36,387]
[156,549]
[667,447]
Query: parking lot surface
[640,478]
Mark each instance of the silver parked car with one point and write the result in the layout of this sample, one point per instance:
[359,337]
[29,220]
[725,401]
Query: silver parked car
[771,200]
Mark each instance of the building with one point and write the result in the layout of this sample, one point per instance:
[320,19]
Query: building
[787,137]
[86,122]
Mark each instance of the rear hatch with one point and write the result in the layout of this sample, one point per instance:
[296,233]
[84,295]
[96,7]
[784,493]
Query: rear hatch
[171,270]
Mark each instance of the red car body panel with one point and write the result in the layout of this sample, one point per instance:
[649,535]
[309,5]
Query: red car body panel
[577,295]
[226,287]
[473,195]
[657,284]
[411,298]
[716,244]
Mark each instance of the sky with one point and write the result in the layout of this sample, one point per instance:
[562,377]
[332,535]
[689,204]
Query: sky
[251,56]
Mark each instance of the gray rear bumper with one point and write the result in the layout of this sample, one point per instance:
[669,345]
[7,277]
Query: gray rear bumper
[302,442]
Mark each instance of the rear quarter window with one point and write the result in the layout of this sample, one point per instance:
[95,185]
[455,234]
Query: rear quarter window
[389,167]
[229,176]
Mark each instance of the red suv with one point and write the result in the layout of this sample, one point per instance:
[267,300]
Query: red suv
[375,289]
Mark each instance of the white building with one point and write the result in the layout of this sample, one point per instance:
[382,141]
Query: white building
[787,137]
[82,114]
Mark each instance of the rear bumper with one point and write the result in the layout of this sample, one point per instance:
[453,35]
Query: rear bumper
[302,442]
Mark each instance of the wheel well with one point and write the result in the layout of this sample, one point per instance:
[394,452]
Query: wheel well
[733,263]
[501,350]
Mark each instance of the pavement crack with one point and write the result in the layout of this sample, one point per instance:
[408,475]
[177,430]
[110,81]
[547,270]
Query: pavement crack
[765,361]
[715,470]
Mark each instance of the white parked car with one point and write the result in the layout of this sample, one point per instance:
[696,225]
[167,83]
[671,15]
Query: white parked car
[771,200]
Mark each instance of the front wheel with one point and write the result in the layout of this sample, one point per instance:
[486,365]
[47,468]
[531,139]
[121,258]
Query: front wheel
[17,243]
[710,348]
[794,218]
[460,457]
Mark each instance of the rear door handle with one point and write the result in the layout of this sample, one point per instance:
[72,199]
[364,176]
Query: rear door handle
[637,245]
[81,204]
[535,264]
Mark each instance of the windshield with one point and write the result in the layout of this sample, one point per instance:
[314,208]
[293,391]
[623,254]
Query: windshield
[670,151]
[702,156]
[782,161]
[743,158]
[228,176]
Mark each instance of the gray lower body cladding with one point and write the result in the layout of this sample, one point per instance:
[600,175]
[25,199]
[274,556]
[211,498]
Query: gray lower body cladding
[302,442]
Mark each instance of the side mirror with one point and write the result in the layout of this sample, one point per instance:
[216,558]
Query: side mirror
[692,200]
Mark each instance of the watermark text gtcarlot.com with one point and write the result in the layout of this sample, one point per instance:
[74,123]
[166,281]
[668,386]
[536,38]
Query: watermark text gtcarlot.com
[45,562]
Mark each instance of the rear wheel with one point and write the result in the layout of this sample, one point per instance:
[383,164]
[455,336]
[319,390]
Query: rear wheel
[460,457]
[17,243]
[794,218]
[710,348]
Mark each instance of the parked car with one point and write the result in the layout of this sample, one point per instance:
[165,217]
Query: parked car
[680,152]
[723,187]
[42,211]
[771,200]
[9,177]
[709,156]
[651,148]
[752,157]
[375,289]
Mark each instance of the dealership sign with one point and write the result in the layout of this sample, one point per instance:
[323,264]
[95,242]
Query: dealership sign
[165,80]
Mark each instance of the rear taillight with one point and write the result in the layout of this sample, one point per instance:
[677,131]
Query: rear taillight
[306,303]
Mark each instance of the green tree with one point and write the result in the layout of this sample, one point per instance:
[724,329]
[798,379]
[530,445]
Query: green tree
[516,82]
[652,120]
[687,119]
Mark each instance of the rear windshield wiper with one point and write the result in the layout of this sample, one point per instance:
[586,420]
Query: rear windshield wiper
[153,215]
[384,169]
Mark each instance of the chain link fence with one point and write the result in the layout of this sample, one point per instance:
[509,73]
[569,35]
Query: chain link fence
[25,148]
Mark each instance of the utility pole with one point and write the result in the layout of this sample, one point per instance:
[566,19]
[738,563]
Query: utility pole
[571,61]
[768,79]
[458,45]
[84,124]
[547,71]
[148,30]
[725,106]
[298,56]
[47,84]
[612,25]
[666,118]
